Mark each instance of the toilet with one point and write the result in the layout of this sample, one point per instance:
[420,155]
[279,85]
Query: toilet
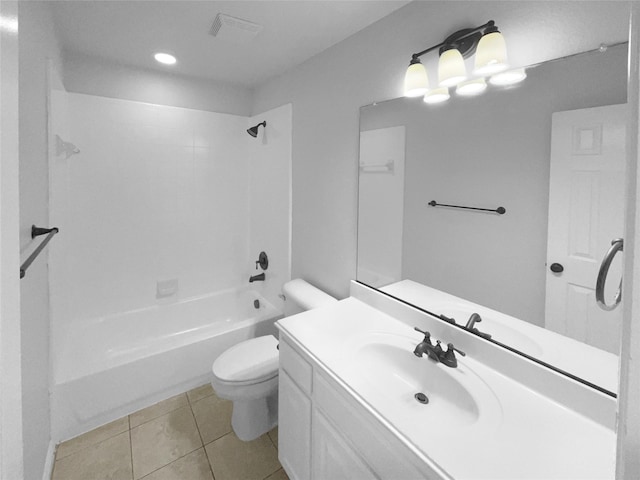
[247,373]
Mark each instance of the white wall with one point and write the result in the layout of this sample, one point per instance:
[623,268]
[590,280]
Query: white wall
[37,43]
[11,451]
[327,91]
[95,76]
[156,194]
[269,157]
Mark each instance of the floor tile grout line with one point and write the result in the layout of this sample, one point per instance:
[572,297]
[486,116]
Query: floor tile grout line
[56,458]
[273,473]
[195,420]
[272,441]
[206,454]
[152,419]
[187,453]
[131,448]
[173,461]
[205,396]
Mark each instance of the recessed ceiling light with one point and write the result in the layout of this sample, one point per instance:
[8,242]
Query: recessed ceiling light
[165,58]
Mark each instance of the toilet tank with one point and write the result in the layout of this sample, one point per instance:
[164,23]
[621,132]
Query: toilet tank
[301,296]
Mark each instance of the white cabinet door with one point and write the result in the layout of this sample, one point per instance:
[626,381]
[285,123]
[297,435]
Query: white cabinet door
[333,457]
[294,429]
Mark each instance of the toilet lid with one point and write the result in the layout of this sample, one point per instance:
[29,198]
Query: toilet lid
[255,359]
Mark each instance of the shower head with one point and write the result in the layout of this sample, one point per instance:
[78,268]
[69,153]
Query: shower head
[253,131]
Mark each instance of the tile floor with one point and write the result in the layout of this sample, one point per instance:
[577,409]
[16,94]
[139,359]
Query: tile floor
[186,437]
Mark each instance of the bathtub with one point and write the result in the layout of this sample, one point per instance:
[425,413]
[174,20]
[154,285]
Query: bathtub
[109,367]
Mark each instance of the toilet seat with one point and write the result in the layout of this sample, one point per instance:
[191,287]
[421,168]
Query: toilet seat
[249,362]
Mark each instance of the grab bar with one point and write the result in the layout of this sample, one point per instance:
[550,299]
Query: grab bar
[616,246]
[35,232]
[499,210]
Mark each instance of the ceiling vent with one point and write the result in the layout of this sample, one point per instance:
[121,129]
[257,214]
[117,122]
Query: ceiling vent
[232,29]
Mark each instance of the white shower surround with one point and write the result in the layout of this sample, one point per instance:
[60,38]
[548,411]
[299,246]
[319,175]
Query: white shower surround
[112,366]
[158,193]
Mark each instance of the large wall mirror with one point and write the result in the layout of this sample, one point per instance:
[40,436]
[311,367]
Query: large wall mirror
[551,152]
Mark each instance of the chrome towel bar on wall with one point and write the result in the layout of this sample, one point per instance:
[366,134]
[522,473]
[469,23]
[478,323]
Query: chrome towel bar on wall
[35,232]
[499,210]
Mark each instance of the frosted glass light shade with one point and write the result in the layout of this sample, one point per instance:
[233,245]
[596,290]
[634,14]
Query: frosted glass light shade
[472,87]
[165,58]
[451,69]
[437,95]
[416,82]
[491,54]
[509,77]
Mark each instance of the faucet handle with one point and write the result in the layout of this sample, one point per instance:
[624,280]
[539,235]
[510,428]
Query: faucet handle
[427,335]
[447,319]
[449,357]
[452,348]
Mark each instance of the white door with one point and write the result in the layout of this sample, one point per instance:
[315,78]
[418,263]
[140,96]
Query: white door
[586,212]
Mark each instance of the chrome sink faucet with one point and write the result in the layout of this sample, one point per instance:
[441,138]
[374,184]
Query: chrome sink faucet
[435,352]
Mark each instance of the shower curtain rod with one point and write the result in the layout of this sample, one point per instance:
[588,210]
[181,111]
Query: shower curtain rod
[35,232]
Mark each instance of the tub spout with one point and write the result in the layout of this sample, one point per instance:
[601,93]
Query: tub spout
[257,278]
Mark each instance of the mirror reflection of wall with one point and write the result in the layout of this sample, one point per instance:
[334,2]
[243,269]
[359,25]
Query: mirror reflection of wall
[380,216]
[489,151]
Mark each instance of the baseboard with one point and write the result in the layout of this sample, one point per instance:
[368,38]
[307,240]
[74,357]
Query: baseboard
[49,460]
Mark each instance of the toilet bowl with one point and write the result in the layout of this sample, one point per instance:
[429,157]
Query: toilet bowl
[247,373]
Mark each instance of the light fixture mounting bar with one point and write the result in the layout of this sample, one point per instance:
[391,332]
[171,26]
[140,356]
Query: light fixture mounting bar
[457,40]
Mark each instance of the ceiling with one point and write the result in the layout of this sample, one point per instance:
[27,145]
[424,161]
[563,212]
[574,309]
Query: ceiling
[130,32]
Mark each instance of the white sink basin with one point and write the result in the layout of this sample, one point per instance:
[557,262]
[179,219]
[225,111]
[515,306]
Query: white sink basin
[389,375]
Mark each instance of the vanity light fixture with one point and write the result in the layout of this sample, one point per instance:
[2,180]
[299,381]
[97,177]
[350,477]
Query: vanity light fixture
[491,54]
[451,69]
[490,50]
[416,82]
[165,58]
[510,77]
[472,87]
[437,95]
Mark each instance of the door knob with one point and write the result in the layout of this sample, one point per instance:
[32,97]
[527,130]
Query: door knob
[556,268]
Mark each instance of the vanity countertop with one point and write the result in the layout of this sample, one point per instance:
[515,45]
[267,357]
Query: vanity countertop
[512,432]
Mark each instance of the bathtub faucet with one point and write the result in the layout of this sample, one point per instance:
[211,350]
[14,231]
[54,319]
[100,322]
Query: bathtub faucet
[257,278]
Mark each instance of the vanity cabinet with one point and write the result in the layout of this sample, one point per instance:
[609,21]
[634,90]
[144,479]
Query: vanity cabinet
[325,433]
[294,407]
[333,457]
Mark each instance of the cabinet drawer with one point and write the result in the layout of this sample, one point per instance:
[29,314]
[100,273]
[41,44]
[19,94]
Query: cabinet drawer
[296,367]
